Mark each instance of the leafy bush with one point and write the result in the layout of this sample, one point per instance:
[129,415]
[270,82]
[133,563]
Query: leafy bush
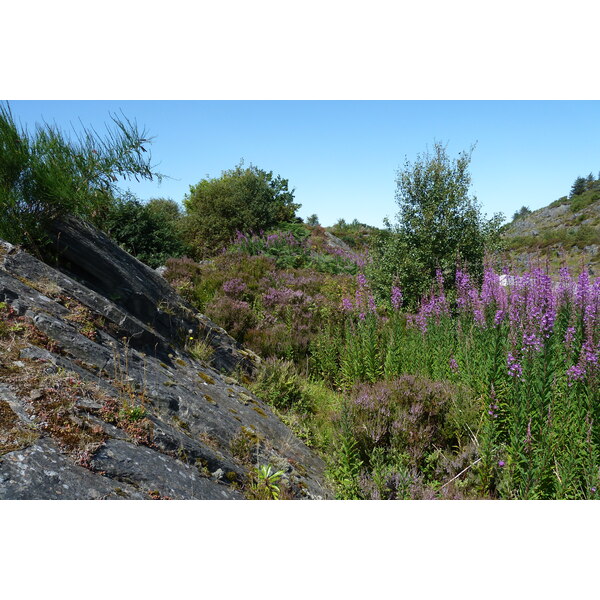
[279,384]
[241,199]
[407,415]
[439,225]
[143,231]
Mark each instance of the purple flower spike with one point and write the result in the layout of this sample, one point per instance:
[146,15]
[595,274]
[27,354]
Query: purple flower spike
[396,297]
[514,368]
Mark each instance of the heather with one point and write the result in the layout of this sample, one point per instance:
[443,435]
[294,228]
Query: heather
[251,290]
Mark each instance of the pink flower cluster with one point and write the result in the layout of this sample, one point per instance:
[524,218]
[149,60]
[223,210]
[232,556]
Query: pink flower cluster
[528,306]
[364,302]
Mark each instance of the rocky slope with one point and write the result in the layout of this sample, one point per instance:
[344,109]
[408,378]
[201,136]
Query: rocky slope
[567,232]
[111,386]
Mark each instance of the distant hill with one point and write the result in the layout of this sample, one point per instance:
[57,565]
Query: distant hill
[357,236]
[565,233]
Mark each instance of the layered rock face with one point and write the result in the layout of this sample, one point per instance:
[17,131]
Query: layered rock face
[112,386]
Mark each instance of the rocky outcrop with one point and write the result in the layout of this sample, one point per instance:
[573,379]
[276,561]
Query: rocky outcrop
[565,233]
[334,242]
[112,386]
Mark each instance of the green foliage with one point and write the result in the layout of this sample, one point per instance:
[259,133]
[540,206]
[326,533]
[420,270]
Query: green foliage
[356,234]
[241,199]
[145,230]
[578,187]
[560,201]
[312,220]
[396,263]
[264,483]
[346,464]
[583,200]
[279,384]
[165,209]
[132,413]
[567,237]
[439,225]
[584,184]
[199,349]
[294,246]
[45,175]
[522,212]
[361,356]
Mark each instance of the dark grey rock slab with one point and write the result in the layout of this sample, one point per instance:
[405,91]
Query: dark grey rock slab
[41,472]
[150,470]
[137,354]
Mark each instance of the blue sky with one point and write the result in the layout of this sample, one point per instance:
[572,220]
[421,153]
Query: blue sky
[342,156]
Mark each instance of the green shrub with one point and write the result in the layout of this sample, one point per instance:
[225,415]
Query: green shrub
[46,175]
[241,199]
[584,200]
[143,232]
[279,384]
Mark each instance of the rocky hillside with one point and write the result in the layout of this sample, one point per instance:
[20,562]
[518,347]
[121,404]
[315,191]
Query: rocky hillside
[112,386]
[567,232]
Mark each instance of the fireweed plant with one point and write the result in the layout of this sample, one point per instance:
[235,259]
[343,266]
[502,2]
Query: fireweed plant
[525,348]
[487,391]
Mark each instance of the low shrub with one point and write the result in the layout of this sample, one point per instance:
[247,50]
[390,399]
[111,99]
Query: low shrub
[235,316]
[408,416]
[279,384]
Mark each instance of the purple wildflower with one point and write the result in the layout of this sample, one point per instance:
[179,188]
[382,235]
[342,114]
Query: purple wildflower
[347,305]
[569,334]
[514,368]
[590,354]
[396,297]
[575,373]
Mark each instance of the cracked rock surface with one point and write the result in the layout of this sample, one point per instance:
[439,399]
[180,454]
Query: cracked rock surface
[100,399]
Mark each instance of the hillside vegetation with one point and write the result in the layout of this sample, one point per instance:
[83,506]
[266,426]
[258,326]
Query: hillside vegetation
[565,233]
[417,361]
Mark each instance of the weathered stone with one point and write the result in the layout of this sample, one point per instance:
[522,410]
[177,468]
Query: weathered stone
[42,472]
[152,471]
[115,324]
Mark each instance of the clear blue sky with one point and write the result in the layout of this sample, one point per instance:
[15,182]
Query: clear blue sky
[342,156]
